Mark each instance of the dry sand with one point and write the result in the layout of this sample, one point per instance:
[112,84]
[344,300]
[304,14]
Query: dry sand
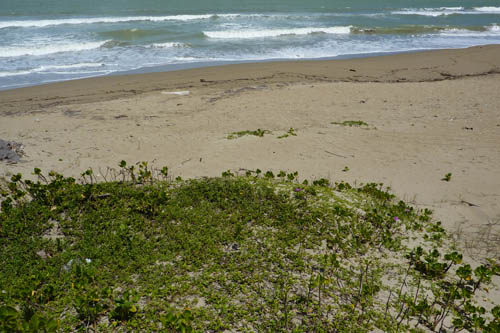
[429,114]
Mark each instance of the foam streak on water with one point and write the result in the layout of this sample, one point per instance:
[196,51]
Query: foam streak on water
[72,39]
[249,34]
[17,51]
[445,11]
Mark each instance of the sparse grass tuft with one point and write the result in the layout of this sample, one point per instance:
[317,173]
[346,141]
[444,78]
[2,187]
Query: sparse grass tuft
[446,177]
[350,123]
[259,132]
[290,132]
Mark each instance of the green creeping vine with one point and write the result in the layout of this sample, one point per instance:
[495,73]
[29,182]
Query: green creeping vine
[253,252]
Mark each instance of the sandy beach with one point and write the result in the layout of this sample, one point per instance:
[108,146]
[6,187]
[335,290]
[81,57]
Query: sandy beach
[427,114]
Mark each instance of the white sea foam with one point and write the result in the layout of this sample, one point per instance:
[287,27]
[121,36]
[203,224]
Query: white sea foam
[80,65]
[434,12]
[5,74]
[445,11]
[50,69]
[491,31]
[79,72]
[36,50]
[169,45]
[247,34]
[488,9]
[91,20]
[458,32]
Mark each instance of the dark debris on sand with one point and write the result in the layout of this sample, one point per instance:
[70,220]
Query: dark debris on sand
[10,151]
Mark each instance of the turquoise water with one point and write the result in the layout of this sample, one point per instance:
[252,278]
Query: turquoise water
[47,41]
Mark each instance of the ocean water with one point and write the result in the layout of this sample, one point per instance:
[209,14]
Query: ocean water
[56,40]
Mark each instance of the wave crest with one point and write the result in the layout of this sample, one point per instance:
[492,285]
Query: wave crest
[489,31]
[488,9]
[445,11]
[17,51]
[92,20]
[50,68]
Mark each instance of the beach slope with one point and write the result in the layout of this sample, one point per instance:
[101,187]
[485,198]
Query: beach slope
[418,117]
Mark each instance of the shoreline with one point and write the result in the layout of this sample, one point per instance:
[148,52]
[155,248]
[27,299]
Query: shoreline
[200,65]
[428,114]
[399,67]
[203,64]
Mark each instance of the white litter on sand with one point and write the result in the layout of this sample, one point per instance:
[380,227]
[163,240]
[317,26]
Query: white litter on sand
[180,93]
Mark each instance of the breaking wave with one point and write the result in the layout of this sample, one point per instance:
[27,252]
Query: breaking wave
[17,51]
[91,20]
[445,11]
[248,34]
